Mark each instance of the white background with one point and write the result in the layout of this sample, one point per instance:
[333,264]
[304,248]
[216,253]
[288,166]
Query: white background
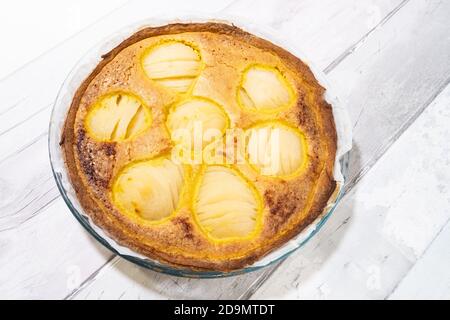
[30,28]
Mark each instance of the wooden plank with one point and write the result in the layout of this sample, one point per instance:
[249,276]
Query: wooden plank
[388,81]
[121,279]
[48,257]
[21,199]
[345,22]
[37,25]
[430,276]
[384,225]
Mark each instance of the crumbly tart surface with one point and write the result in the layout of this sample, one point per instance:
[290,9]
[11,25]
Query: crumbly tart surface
[120,136]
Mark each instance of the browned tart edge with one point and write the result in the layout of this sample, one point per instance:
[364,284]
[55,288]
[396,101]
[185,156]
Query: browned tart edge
[325,183]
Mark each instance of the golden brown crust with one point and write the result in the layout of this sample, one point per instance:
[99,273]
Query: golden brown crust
[290,204]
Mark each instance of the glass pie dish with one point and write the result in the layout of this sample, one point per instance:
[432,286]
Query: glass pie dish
[61,107]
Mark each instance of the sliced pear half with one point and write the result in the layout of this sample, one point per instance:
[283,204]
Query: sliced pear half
[196,122]
[118,116]
[275,149]
[226,205]
[173,64]
[149,189]
[265,89]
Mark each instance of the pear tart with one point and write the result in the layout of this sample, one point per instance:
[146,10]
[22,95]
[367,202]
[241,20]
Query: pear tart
[200,145]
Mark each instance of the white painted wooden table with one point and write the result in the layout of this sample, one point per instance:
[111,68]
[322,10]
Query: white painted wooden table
[390,62]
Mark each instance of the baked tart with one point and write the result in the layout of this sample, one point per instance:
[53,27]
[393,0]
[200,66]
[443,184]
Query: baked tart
[200,145]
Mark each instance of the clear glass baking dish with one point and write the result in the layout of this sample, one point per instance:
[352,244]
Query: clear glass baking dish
[87,63]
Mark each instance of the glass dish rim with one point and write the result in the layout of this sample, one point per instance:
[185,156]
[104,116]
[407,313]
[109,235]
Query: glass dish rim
[56,157]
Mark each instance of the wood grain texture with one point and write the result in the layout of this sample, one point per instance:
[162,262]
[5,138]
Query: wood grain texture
[48,256]
[382,91]
[383,226]
[30,127]
[345,23]
[114,276]
[411,67]
[35,21]
[121,279]
[430,276]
